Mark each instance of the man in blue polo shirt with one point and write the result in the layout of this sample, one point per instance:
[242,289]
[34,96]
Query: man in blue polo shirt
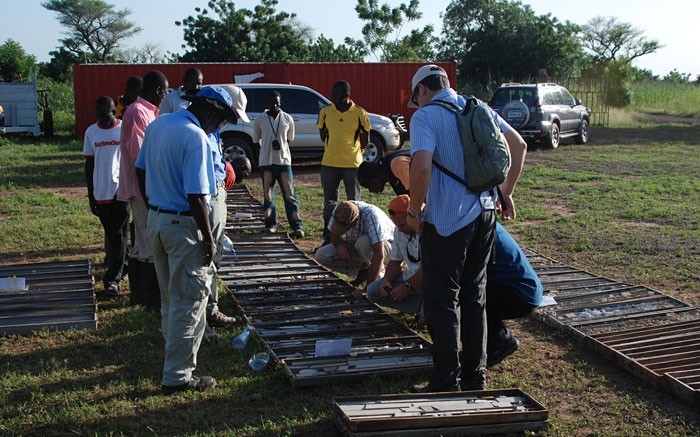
[175,172]
[458,231]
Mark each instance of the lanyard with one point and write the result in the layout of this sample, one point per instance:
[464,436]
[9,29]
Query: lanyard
[279,118]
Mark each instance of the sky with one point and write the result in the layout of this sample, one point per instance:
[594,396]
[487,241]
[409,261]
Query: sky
[674,23]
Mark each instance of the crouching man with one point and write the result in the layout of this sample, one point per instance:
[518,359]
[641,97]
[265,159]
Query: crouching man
[361,237]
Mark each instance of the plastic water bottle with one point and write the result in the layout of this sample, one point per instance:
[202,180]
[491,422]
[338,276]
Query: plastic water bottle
[259,361]
[241,340]
[228,245]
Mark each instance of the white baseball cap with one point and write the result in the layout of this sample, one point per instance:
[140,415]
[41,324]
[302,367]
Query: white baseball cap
[239,101]
[422,73]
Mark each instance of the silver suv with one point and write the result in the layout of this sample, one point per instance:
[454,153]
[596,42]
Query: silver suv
[544,113]
[303,104]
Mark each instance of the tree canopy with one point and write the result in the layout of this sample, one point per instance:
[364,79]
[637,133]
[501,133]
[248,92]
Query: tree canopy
[383,21]
[15,63]
[496,41]
[609,39]
[221,33]
[94,28]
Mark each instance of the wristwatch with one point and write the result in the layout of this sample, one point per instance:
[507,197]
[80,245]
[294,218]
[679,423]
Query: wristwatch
[414,214]
[408,285]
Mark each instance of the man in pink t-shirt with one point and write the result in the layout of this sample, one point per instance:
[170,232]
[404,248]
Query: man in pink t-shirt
[137,117]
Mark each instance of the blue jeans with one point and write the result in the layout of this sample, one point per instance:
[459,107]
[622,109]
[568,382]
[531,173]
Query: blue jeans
[282,174]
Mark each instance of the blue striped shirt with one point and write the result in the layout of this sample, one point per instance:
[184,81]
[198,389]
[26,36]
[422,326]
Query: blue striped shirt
[449,205]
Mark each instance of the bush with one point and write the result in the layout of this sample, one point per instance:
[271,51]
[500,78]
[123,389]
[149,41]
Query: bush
[60,101]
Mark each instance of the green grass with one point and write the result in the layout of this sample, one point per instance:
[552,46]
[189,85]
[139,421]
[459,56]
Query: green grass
[628,211]
[665,97]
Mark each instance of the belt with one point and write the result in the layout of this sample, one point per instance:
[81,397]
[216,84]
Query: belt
[168,211]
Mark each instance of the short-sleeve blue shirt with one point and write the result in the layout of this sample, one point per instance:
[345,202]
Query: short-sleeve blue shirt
[449,205]
[217,158]
[176,157]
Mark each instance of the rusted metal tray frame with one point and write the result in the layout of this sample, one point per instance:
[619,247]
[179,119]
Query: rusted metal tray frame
[258,276]
[61,296]
[467,423]
[684,378]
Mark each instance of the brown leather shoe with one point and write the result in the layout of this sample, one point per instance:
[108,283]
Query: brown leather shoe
[220,319]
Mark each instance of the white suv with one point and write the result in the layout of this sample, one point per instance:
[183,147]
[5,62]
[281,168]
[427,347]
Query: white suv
[303,104]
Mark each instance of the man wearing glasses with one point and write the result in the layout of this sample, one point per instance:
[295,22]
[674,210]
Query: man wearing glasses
[400,289]
[137,117]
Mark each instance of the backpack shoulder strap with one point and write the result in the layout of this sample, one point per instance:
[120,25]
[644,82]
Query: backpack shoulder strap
[445,104]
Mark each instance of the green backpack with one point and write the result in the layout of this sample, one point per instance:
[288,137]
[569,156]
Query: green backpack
[486,153]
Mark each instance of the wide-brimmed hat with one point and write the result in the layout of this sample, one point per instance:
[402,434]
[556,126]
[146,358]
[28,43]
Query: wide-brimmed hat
[223,100]
[345,215]
[422,73]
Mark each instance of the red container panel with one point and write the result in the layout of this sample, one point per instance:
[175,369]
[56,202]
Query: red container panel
[380,88]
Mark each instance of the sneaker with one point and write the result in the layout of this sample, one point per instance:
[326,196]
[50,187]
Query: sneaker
[220,319]
[427,388]
[506,345]
[195,384]
[298,233]
[271,229]
[209,333]
[112,289]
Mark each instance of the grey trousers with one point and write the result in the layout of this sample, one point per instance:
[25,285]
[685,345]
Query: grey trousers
[217,220]
[184,282]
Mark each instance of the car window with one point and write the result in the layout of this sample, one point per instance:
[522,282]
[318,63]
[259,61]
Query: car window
[257,99]
[548,97]
[301,102]
[500,98]
[567,98]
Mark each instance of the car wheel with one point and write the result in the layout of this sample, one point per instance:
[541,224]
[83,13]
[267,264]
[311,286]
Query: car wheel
[237,146]
[516,113]
[553,139]
[375,149]
[582,137]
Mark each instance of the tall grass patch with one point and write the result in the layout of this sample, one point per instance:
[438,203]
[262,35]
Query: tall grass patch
[666,97]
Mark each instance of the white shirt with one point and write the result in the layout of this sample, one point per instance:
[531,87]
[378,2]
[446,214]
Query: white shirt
[265,130]
[404,243]
[173,102]
[103,145]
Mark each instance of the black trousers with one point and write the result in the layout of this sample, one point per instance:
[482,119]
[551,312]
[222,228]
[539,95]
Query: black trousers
[114,217]
[503,303]
[454,287]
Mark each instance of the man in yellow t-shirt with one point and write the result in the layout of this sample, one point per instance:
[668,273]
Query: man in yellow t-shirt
[344,129]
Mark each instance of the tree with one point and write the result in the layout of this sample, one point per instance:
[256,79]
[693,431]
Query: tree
[60,67]
[325,50]
[382,22]
[149,53]
[609,39]
[497,41]
[94,27]
[242,35]
[15,63]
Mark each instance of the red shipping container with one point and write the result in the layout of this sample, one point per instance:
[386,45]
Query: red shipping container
[381,88]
